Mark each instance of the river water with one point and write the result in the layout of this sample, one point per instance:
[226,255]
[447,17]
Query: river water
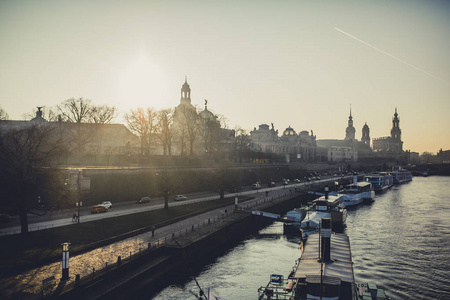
[401,242]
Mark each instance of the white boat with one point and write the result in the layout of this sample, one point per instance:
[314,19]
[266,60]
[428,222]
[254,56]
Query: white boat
[331,207]
[356,193]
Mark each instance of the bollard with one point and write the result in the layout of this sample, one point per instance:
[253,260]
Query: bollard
[119,260]
[93,272]
[173,236]
[77,279]
[149,245]
[192,227]
[209,221]
[106,265]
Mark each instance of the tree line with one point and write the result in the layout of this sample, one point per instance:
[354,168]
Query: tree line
[30,179]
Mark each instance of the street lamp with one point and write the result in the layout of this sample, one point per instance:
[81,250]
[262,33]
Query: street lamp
[79,204]
[65,261]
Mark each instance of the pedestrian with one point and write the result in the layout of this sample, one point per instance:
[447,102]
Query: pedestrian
[153,230]
[74,217]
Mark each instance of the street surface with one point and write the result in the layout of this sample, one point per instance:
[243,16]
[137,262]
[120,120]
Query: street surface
[64,218]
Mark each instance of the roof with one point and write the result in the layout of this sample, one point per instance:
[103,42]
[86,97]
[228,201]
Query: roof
[341,266]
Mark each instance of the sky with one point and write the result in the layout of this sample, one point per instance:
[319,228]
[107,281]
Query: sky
[291,63]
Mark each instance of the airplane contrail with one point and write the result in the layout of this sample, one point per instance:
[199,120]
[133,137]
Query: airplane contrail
[394,57]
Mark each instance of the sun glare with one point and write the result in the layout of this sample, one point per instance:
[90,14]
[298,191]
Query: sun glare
[142,84]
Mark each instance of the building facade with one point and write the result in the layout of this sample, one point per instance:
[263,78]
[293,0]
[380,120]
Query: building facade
[291,146]
[393,143]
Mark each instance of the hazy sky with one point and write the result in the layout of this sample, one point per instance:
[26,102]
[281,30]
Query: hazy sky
[297,63]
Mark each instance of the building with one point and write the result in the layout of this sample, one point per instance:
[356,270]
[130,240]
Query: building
[290,146]
[393,143]
[199,133]
[86,143]
[350,130]
[342,154]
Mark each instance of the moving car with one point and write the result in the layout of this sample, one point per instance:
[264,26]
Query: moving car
[143,200]
[256,186]
[179,198]
[98,209]
[106,204]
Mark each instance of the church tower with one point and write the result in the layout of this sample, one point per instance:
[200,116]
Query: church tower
[396,144]
[350,131]
[185,93]
[365,138]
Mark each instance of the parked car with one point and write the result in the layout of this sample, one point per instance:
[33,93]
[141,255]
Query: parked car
[296,180]
[285,181]
[143,200]
[106,204]
[271,184]
[179,198]
[98,209]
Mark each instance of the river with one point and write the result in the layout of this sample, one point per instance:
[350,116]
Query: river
[401,242]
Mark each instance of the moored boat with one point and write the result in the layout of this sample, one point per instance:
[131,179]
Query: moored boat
[357,192]
[401,176]
[323,271]
[380,181]
[328,206]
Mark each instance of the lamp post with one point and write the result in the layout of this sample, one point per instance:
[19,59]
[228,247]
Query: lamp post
[79,203]
[65,261]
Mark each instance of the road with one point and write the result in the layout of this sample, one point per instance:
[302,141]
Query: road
[64,218]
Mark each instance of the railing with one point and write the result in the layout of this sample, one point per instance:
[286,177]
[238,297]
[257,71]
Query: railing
[92,273]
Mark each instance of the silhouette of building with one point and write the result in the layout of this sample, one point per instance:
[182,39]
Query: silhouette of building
[365,138]
[391,143]
[199,133]
[350,130]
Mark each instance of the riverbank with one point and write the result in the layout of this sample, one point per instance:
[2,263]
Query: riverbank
[147,275]
[37,248]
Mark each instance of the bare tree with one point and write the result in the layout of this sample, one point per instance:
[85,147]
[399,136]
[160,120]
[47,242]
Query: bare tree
[165,134]
[221,179]
[28,181]
[210,134]
[244,144]
[142,122]
[103,114]
[3,114]
[76,110]
[190,125]
[80,112]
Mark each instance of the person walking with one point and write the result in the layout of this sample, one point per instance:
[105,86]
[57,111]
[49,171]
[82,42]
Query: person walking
[74,217]
[153,230]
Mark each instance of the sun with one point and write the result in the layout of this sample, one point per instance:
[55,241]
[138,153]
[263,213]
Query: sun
[142,84]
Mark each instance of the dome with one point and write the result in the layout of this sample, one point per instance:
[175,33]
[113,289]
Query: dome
[206,114]
[289,132]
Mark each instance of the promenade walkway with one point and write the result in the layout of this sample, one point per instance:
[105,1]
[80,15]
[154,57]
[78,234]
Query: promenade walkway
[29,284]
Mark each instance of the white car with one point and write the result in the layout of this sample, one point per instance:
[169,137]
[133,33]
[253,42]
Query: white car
[179,198]
[106,204]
